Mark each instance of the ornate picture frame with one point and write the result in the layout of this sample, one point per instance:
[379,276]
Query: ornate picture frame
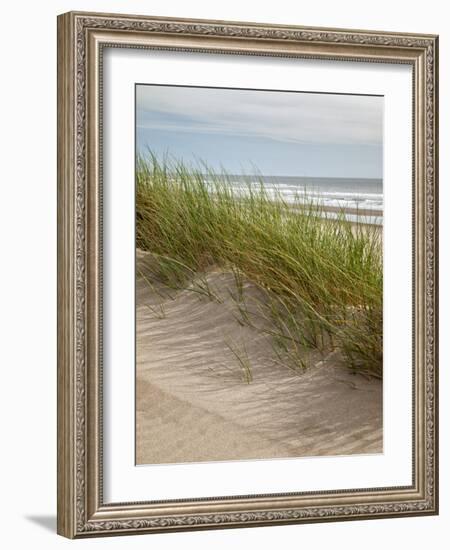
[82,39]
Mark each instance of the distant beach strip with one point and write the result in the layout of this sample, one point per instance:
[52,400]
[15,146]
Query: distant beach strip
[359,199]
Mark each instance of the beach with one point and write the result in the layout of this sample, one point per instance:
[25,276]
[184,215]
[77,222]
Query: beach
[210,388]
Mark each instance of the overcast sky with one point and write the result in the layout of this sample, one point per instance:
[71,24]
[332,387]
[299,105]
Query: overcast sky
[279,133]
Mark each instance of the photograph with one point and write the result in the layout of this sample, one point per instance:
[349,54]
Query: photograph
[223,287]
[259,274]
[247,273]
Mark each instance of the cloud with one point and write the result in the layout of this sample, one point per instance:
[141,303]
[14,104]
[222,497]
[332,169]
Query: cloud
[281,116]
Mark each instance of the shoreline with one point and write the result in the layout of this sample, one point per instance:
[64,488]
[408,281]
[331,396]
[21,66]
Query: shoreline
[360,212]
[354,211]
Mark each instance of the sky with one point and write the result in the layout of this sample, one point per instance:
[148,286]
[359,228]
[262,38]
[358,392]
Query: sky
[271,132]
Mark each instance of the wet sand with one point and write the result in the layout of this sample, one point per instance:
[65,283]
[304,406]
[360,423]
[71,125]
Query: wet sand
[193,403]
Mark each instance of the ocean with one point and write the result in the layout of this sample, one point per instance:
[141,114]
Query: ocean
[363,194]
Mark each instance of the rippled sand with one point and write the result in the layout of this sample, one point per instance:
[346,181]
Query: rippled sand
[194,405]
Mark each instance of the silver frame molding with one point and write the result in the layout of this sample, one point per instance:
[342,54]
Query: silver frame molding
[81,39]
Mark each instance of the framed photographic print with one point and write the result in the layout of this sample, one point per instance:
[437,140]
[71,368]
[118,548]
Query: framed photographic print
[247,288]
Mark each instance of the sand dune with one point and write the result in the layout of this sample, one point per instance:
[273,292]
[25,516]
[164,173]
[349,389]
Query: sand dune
[193,403]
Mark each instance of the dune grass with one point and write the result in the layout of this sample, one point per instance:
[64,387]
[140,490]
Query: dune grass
[320,279]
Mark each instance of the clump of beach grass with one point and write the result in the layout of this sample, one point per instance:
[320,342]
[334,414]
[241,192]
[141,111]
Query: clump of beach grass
[320,277]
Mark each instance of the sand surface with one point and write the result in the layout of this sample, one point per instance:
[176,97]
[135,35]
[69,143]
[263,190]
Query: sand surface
[193,403]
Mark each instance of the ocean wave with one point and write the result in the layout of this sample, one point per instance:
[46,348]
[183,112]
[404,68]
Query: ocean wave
[348,199]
